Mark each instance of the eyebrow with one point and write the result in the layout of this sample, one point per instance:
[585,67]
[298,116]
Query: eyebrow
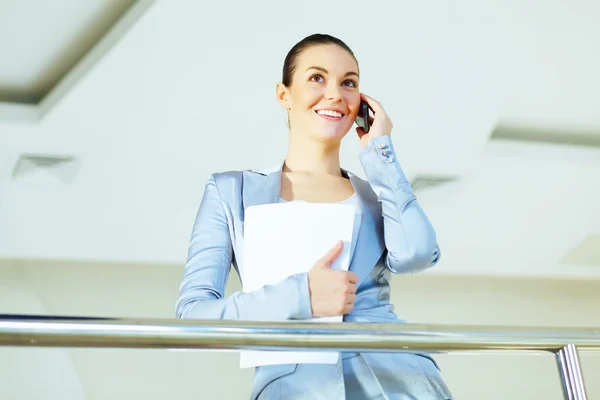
[326,72]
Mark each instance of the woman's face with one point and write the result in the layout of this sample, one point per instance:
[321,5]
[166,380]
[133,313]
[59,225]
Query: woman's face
[323,98]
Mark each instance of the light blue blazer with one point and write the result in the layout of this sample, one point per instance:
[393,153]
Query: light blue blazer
[394,236]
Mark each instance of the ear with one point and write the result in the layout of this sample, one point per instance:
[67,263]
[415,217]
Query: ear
[283,95]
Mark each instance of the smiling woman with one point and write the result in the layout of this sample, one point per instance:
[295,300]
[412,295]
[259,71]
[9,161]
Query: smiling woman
[332,53]
[320,92]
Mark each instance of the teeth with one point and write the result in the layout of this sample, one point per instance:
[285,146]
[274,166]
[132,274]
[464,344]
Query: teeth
[330,113]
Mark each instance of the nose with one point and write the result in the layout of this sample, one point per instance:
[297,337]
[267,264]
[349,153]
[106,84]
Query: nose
[332,92]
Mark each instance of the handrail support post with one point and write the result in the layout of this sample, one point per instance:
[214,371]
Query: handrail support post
[571,377]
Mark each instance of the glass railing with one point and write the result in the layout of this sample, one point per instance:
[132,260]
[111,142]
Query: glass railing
[216,335]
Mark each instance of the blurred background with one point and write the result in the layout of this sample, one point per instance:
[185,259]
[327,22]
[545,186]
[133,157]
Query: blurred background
[113,114]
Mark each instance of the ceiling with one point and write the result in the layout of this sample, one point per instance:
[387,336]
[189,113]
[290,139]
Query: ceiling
[145,99]
[35,60]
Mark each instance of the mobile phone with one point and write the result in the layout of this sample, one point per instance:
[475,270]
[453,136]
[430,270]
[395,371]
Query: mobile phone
[362,119]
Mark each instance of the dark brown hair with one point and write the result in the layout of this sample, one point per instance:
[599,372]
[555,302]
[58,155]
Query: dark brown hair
[289,65]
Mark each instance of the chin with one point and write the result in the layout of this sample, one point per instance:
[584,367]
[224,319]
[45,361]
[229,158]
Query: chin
[335,135]
[332,132]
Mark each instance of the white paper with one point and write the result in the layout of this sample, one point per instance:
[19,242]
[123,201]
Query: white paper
[284,239]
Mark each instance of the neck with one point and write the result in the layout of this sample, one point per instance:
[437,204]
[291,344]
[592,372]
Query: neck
[305,154]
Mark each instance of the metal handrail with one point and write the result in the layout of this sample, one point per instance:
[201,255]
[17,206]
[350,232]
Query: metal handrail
[58,331]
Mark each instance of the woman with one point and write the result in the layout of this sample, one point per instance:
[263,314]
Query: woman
[320,91]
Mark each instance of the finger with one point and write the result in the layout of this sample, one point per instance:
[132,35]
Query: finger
[332,254]
[352,277]
[360,132]
[347,309]
[374,104]
[351,289]
[351,299]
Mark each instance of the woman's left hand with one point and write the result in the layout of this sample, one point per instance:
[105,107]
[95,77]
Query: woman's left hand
[381,124]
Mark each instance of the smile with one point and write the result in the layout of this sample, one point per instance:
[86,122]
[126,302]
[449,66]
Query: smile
[330,114]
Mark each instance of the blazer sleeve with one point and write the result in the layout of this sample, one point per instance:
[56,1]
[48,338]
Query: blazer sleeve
[409,236]
[207,269]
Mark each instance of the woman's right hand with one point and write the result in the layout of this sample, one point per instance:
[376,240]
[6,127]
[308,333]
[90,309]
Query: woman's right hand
[332,292]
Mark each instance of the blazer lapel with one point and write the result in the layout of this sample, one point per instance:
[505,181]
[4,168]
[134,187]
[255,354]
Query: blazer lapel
[261,187]
[369,244]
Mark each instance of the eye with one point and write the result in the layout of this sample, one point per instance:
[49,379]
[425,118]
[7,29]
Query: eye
[317,78]
[351,83]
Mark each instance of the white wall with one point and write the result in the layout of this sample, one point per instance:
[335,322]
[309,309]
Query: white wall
[151,290]
[165,108]
[27,373]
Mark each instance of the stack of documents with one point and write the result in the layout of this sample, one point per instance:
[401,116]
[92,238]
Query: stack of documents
[285,239]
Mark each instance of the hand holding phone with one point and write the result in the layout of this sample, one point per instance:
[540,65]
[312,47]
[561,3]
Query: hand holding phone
[376,126]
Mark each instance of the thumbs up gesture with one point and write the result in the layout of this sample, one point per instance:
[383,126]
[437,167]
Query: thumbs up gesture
[332,292]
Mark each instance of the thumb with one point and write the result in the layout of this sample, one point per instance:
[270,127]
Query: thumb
[360,131]
[332,255]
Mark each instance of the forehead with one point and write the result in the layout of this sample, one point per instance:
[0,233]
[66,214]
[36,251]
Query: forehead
[331,57]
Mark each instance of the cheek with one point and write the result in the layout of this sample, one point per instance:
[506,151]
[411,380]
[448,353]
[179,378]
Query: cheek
[353,101]
[306,98]
[314,93]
